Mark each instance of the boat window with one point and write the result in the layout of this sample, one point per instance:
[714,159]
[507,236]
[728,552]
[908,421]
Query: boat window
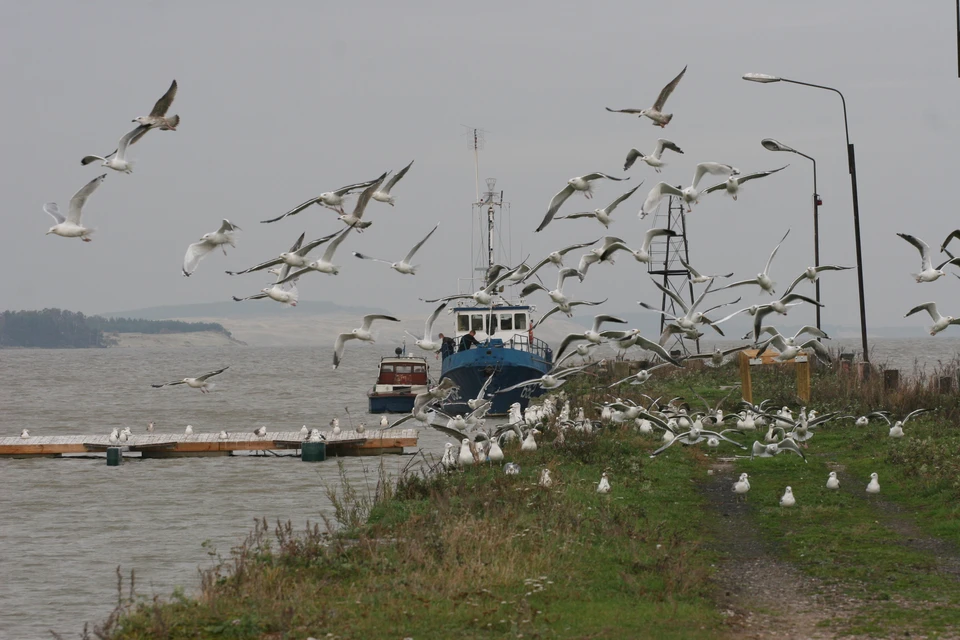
[476,320]
[463,323]
[492,320]
[404,368]
[506,322]
[419,368]
[386,368]
[519,321]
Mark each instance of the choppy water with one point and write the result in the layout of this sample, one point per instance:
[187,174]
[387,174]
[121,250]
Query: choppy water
[66,524]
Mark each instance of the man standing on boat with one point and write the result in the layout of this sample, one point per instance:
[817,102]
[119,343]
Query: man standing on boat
[447,346]
[468,340]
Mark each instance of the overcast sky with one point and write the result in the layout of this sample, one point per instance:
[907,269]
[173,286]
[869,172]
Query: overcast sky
[281,101]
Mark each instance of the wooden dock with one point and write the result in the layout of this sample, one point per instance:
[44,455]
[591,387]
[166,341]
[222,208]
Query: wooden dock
[165,445]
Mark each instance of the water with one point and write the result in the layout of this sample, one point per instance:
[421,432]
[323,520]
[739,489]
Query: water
[67,523]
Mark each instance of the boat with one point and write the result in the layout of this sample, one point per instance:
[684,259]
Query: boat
[399,379]
[508,350]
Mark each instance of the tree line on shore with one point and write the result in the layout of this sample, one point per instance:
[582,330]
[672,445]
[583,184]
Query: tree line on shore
[60,329]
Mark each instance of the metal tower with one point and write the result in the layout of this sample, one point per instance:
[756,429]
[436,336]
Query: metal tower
[665,254]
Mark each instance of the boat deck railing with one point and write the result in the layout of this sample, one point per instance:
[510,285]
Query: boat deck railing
[536,346]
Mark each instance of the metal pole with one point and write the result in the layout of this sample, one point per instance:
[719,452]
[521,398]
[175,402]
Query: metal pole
[816,233]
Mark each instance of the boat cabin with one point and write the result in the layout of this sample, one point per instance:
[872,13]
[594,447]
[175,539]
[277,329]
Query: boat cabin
[402,372]
[500,322]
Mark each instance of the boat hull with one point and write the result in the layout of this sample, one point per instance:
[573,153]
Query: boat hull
[470,370]
[390,402]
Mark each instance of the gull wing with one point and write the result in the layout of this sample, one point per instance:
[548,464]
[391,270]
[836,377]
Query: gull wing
[195,253]
[163,104]
[555,205]
[338,347]
[663,143]
[656,195]
[417,246]
[766,269]
[428,327]
[667,90]
[653,233]
[596,175]
[714,168]
[953,234]
[212,373]
[913,413]
[369,319]
[128,139]
[256,296]
[54,210]
[950,261]
[167,384]
[929,307]
[304,250]
[632,156]
[342,191]
[332,248]
[921,246]
[649,345]
[365,195]
[262,265]
[613,205]
[573,337]
[80,198]
[297,209]
[630,111]
[291,276]
[395,179]
[226,226]
[673,295]
[759,174]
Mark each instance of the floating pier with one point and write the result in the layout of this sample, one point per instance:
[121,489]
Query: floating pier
[160,445]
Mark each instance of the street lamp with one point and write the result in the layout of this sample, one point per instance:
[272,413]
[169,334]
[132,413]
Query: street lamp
[852,165]
[774,145]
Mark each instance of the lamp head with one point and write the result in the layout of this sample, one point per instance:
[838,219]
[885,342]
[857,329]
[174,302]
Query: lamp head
[761,77]
[775,145]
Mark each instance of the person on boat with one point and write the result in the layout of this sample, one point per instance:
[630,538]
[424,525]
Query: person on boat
[468,340]
[447,346]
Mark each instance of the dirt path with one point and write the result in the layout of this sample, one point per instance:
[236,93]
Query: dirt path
[762,595]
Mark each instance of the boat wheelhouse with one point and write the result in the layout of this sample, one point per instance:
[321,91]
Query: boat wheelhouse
[399,380]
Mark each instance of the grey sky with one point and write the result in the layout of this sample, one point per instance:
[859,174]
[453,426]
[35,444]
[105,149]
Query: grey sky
[282,101]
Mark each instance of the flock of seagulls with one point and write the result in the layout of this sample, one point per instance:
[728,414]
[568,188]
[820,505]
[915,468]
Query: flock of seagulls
[930,273]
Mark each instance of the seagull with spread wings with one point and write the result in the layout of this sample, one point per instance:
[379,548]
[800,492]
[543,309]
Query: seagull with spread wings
[557,295]
[791,346]
[567,309]
[427,343]
[199,382]
[732,186]
[690,195]
[602,215]
[928,273]
[325,263]
[483,297]
[698,278]
[69,226]
[691,317]
[403,267]
[297,256]
[329,199]
[763,279]
[556,257]
[157,118]
[939,322]
[362,333]
[578,183]
[656,113]
[383,194]
[208,242]
[643,253]
[118,159]
[591,335]
[652,159]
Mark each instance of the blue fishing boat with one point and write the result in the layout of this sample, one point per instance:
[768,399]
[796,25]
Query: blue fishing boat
[507,348]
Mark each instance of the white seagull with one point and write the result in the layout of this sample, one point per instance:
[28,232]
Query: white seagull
[698,278]
[324,264]
[591,335]
[742,486]
[404,265]
[656,113]
[260,431]
[732,186]
[939,322]
[654,158]
[355,218]
[690,195]
[383,195]
[833,483]
[363,333]
[812,274]
[604,484]
[208,242]
[69,226]
[199,382]
[25,434]
[643,253]
[763,279]
[874,485]
[188,431]
[928,273]
[556,257]
[157,118]
[578,183]
[330,199]
[297,256]
[287,294]
[557,295]
[118,159]
[427,343]
[483,297]
[790,347]
[787,500]
[545,480]
[596,255]
[602,215]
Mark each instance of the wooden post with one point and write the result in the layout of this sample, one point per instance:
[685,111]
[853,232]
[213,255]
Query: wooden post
[746,386]
[891,379]
[946,384]
[803,380]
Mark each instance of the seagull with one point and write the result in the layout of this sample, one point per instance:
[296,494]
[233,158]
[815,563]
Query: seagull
[383,195]
[335,427]
[199,382]
[157,118]
[790,347]
[928,273]
[324,264]
[114,436]
[604,484]
[25,434]
[787,500]
[150,427]
[188,431]
[427,343]
[896,427]
[832,482]
[596,255]
[69,226]
[772,449]
[687,323]
[466,453]
[557,295]
[567,308]
[690,195]
[556,257]
[304,431]
[260,431]
[763,279]
[355,219]
[483,297]
[578,183]
[643,253]
[718,356]
[545,480]
[732,186]
[361,428]
[939,322]
[874,486]
[330,199]
[118,159]
[404,265]
[208,242]
[283,293]
[654,158]
[591,335]
[363,333]
[481,399]
[602,215]
[640,376]
[655,113]
[529,443]
[698,278]
[222,435]
[781,306]
[384,423]
[495,453]
[297,256]
[511,469]
[742,486]
[552,379]
[812,274]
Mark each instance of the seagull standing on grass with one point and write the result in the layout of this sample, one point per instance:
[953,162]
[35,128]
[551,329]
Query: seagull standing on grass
[602,215]
[604,485]
[742,486]
[896,427]
[578,183]
[69,226]
[200,382]
[690,195]
[404,267]
[874,485]
[363,333]
[383,194]
[787,500]
[654,158]
[529,443]
[928,273]
[208,242]
[832,482]
[656,113]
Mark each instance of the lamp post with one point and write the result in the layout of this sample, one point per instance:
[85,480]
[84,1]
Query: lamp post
[852,165]
[774,145]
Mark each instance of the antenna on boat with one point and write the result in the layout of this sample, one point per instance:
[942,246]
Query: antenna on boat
[477,142]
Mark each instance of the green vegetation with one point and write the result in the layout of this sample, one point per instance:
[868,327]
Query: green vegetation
[57,329]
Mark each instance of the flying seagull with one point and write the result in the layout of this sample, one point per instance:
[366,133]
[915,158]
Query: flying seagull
[330,199]
[813,273]
[199,382]
[324,264]
[355,218]
[939,322]
[578,183]
[363,333]
[654,158]
[763,279]
[157,118]
[732,186]
[656,113]
[118,159]
[591,335]
[557,295]
[556,257]
[404,265]
[69,226]
[383,195]
[690,195]
[297,256]
[928,273]
[643,253]
[208,242]
[427,343]
[602,215]
[698,278]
